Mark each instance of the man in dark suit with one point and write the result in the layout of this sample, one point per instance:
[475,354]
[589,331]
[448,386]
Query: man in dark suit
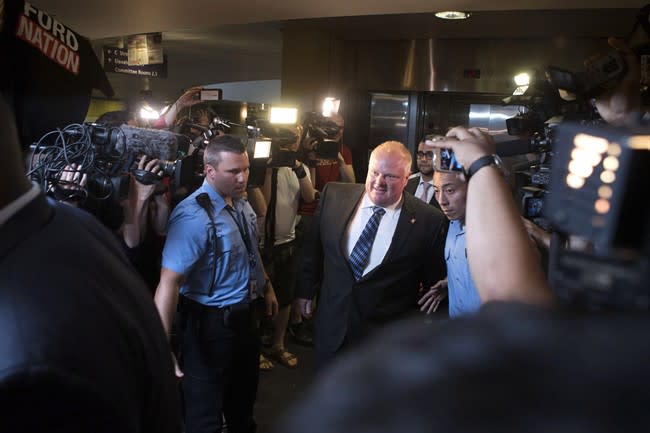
[421,183]
[81,345]
[369,250]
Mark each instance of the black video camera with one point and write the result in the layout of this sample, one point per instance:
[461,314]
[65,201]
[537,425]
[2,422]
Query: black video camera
[542,110]
[106,155]
[600,183]
[282,153]
[324,130]
[600,76]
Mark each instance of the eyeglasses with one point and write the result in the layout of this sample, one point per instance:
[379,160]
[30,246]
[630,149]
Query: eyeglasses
[425,155]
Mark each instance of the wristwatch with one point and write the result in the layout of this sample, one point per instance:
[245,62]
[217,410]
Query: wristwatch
[483,161]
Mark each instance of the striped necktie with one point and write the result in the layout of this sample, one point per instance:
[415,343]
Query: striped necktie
[361,251]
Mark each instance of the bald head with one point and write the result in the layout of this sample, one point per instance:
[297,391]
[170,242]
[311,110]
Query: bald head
[12,173]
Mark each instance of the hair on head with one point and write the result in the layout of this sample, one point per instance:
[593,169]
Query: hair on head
[222,143]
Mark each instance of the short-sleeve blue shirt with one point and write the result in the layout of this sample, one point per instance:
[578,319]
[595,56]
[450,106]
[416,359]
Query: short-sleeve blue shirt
[463,296]
[189,250]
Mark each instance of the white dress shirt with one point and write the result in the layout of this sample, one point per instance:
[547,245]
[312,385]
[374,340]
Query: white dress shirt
[385,231]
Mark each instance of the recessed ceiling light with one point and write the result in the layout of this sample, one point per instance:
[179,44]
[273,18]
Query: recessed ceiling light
[452,15]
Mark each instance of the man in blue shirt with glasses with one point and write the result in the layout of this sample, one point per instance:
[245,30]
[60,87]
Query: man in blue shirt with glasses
[211,259]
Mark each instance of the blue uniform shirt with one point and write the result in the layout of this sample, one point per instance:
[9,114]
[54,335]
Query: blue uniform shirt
[463,296]
[189,250]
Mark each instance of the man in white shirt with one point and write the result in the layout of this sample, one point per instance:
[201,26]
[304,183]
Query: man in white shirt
[370,248]
[285,185]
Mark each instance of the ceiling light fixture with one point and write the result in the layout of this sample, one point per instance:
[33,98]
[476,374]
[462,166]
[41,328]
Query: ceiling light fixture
[452,15]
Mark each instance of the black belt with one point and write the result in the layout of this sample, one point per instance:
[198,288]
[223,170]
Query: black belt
[191,306]
[235,316]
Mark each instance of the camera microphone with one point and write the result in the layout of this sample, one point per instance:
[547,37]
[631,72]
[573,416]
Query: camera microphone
[153,142]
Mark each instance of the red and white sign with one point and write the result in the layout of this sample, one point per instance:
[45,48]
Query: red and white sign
[53,39]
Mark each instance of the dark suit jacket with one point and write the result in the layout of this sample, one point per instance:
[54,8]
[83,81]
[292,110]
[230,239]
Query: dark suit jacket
[82,347]
[412,186]
[348,309]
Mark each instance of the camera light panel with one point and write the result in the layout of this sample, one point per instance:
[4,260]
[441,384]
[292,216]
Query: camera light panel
[283,115]
[591,180]
[330,106]
[262,149]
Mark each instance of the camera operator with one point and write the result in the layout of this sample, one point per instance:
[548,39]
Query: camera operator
[284,188]
[82,345]
[327,170]
[146,212]
[139,209]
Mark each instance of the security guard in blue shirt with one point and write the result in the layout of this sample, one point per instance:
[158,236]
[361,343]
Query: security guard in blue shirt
[211,259]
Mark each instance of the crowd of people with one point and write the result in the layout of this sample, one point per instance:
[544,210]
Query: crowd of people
[94,349]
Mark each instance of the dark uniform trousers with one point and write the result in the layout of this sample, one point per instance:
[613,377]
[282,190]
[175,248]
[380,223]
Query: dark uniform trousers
[221,365]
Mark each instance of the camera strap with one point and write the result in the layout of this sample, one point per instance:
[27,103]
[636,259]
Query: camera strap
[269,222]
[240,220]
[204,201]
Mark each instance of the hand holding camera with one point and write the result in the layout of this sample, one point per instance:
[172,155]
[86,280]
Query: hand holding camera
[71,186]
[460,148]
[146,176]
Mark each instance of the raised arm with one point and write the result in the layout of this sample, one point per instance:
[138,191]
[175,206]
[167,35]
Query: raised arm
[187,99]
[502,260]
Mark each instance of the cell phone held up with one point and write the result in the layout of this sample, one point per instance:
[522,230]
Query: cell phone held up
[207,95]
[444,160]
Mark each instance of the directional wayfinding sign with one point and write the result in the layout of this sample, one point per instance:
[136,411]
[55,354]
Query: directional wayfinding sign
[117,60]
